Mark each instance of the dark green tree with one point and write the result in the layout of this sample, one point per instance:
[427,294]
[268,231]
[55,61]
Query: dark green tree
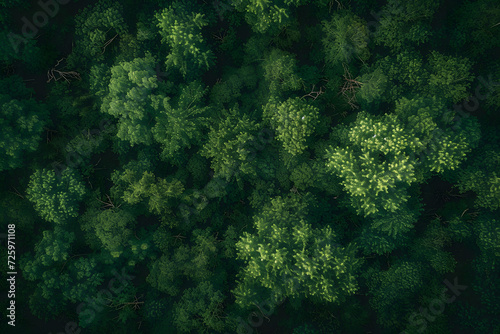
[22,122]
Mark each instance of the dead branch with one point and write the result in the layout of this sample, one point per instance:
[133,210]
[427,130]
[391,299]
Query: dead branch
[119,306]
[311,94]
[108,43]
[17,193]
[51,74]
[108,204]
[349,88]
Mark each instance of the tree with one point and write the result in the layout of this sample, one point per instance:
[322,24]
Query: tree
[114,227]
[294,121]
[384,155]
[280,71]
[345,38]
[180,28]
[268,16]
[487,232]
[450,76]
[180,127]
[474,28]
[404,24]
[47,269]
[195,262]
[200,310]
[14,47]
[229,145]
[131,85]
[55,198]
[373,90]
[96,28]
[289,258]
[392,291]
[480,175]
[22,122]
[135,184]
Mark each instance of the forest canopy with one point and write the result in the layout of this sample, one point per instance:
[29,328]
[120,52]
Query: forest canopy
[250,166]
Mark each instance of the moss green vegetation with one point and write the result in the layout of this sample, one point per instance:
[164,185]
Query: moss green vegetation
[251,166]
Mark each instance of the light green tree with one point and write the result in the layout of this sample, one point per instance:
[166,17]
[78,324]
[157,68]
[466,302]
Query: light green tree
[294,121]
[56,198]
[289,258]
[385,154]
[130,88]
[180,28]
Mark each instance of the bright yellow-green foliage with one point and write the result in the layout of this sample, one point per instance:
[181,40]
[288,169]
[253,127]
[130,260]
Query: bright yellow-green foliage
[181,30]
[385,154]
[294,121]
[290,258]
[374,166]
[55,198]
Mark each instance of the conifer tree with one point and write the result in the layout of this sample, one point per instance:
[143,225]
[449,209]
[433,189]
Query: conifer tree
[180,28]
[294,121]
[289,258]
[384,155]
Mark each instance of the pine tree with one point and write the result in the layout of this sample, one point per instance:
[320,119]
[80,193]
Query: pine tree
[179,127]
[289,258]
[345,38]
[386,154]
[180,28]
[294,121]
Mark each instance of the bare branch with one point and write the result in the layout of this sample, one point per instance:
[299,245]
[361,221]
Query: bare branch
[318,93]
[51,74]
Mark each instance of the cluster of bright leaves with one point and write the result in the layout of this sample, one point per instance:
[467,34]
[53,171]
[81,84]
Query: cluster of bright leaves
[386,154]
[291,259]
